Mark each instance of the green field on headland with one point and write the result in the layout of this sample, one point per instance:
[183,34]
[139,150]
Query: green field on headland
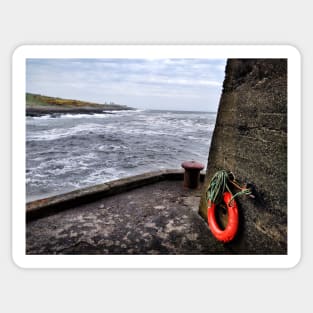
[39,105]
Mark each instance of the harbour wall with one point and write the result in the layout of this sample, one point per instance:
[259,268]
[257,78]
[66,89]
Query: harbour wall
[250,140]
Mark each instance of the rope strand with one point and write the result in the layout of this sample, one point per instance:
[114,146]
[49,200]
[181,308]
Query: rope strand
[218,185]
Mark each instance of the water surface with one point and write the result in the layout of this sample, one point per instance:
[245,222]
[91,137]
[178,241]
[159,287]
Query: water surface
[74,151]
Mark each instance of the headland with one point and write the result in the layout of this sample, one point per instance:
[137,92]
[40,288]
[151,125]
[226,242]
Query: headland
[37,105]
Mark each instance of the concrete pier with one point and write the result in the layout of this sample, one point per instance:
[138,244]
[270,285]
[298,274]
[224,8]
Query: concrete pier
[146,214]
[154,214]
[250,140]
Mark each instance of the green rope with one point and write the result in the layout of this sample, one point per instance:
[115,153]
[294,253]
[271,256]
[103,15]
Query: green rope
[240,193]
[218,185]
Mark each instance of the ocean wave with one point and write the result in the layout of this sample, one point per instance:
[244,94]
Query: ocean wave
[61,133]
[41,117]
[80,116]
[76,151]
[105,114]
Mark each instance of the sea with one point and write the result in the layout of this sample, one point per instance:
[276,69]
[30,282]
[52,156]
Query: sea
[73,151]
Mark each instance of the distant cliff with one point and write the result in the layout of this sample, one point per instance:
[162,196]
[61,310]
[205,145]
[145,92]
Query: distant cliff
[39,104]
[250,139]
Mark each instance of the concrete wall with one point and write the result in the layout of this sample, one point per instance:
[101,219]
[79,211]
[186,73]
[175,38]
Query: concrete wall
[250,139]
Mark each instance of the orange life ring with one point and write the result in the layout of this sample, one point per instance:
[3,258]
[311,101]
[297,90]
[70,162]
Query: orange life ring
[230,231]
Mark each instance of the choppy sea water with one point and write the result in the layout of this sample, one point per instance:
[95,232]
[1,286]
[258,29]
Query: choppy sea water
[73,151]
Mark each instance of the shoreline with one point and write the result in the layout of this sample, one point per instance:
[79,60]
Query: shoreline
[35,112]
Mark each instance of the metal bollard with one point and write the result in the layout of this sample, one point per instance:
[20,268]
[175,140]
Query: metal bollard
[192,173]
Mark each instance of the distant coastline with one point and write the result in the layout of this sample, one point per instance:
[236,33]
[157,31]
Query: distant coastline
[37,105]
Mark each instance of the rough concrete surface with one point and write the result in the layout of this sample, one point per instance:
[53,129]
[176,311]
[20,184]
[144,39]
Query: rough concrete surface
[160,218]
[250,139]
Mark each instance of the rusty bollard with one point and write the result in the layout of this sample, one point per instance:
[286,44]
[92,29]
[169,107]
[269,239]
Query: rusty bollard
[192,173]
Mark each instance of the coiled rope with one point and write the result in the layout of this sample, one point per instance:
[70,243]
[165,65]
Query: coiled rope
[219,184]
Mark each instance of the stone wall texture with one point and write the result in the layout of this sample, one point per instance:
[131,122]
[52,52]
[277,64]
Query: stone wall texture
[250,139]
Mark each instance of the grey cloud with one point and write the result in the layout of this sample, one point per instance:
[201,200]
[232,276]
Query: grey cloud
[131,81]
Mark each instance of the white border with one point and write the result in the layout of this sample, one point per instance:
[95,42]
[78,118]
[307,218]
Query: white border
[156,261]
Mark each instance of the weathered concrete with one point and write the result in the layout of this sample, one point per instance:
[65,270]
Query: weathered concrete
[250,139]
[52,205]
[159,218]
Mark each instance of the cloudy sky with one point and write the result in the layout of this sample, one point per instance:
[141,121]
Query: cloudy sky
[165,84]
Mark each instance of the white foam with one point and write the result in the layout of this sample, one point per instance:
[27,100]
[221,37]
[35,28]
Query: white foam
[79,116]
[109,149]
[42,117]
[59,133]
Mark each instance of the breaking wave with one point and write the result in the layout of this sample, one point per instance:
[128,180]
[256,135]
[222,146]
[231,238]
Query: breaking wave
[74,151]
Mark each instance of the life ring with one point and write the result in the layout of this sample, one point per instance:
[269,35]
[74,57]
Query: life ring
[230,231]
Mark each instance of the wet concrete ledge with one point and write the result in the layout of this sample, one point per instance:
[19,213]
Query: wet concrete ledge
[52,205]
[157,218]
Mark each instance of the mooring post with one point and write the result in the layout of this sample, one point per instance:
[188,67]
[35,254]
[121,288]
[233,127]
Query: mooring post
[192,173]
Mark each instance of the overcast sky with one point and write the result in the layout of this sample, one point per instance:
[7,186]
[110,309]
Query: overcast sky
[165,84]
